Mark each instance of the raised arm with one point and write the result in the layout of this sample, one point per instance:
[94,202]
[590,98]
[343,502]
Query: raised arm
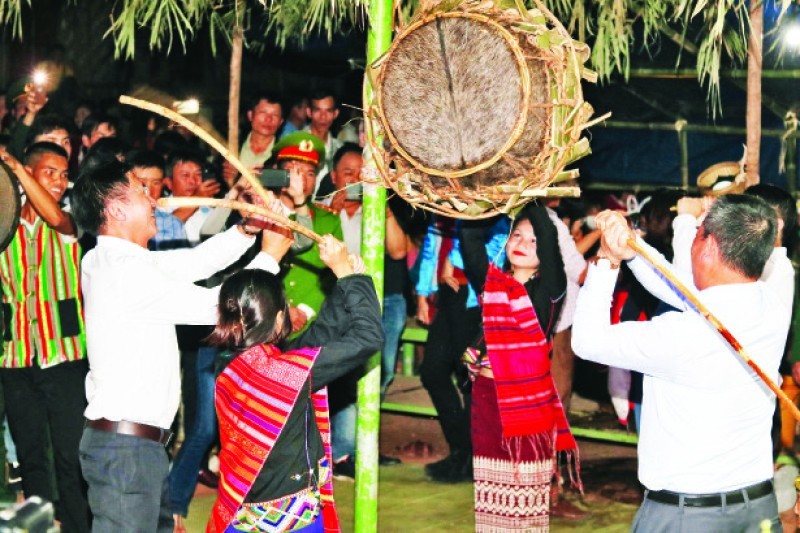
[349,327]
[41,200]
[547,291]
[472,236]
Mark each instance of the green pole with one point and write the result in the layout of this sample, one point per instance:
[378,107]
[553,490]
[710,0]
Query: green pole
[373,232]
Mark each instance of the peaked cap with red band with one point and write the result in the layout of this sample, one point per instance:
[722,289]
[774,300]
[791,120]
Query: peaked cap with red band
[300,146]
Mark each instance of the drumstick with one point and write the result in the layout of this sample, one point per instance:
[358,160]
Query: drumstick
[204,135]
[714,321]
[280,219]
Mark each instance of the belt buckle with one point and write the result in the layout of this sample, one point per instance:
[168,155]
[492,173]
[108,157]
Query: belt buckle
[169,434]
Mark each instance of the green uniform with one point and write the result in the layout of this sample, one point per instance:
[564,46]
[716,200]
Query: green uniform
[308,280]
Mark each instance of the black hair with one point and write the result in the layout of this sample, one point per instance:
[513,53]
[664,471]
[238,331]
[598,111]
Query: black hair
[104,151]
[347,148]
[249,302]
[169,141]
[268,97]
[182,155]
[93,189]
[784,205]
[37,150]
[145,159]
[94,120]
[321,94]
[45,124]
[657,216]
[744,227]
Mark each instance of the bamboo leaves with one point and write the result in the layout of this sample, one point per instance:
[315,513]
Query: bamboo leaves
[166,20]
[11,15]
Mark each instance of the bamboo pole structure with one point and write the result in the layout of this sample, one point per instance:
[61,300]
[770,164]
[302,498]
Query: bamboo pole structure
[278,218]
[753,116]
[235,87]
[714,321]
[379,37]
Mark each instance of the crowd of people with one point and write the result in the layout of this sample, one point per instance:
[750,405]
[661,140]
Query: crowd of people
[126,322]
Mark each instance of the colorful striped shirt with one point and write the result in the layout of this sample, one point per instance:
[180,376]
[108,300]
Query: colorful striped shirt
[42,309]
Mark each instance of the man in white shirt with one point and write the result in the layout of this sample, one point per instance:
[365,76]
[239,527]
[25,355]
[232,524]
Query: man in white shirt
[132,300]
[705,453]
[347,201]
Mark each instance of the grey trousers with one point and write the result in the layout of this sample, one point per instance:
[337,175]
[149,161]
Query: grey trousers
[750,516]
[127,477]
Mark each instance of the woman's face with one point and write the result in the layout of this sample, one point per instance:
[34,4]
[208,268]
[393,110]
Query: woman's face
[521,247]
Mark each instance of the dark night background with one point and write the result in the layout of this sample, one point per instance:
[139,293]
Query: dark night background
[624,156]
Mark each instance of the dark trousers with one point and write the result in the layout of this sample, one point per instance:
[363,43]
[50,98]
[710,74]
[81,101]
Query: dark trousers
[127,477]
[453,328]
[45,410]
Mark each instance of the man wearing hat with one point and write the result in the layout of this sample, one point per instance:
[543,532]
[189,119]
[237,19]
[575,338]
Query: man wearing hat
[307,280]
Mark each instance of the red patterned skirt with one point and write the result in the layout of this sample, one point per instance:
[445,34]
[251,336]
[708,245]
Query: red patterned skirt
[512,492]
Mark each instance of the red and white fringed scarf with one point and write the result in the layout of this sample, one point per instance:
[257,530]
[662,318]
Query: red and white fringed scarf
[254,397]
[527,400]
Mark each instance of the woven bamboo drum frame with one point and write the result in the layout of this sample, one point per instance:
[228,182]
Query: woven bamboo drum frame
[549,69]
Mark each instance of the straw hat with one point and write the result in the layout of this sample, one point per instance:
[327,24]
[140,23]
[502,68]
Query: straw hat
[723,178]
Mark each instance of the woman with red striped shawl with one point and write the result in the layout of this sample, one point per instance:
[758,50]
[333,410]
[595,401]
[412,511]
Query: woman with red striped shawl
[275,464]
[518,423]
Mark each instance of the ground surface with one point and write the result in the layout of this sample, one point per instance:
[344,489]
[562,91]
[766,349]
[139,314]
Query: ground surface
[409,502]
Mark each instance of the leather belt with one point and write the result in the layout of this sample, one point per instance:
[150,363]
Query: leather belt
[157,434]
[759,490]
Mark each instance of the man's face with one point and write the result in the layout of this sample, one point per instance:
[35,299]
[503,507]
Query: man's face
[50,170]
[138,210]
[104,129]
[152,178]
[186,178]
[298,112]
[322,113]
[265,118]
[307,170]
[348,170]
[59,137]
[81,113]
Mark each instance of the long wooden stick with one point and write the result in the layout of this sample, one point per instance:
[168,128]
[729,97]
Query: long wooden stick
[283,220]
[714,321]
[200,132]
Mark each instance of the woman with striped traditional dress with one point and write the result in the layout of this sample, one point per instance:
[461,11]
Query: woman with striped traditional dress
[518,422]
[275,464]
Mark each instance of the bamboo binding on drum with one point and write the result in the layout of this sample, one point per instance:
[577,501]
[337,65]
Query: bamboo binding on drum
[481,107]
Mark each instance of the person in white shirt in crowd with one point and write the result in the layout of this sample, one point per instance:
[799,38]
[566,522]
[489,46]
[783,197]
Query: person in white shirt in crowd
[705,453]
[132,300]
[563,359]
[346,174]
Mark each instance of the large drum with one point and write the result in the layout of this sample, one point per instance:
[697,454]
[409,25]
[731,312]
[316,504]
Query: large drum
[9,206]
[482,108]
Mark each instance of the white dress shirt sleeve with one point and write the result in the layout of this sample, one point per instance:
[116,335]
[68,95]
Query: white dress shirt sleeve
[684,228]
[654,347]
[655,283]
[779,276]
[205,259]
